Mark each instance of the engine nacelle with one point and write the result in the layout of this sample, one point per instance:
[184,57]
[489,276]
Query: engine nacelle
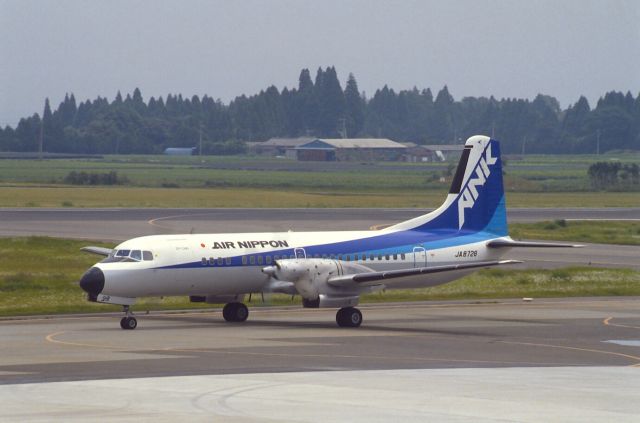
[310,276]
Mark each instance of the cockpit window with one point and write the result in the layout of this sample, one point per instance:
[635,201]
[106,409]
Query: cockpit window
[129,255]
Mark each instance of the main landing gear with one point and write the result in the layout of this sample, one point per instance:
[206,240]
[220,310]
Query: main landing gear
[128,322]
[349,317]
[235,312]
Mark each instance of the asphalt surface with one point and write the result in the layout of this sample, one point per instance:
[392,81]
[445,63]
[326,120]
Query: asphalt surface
[543,333]
[121,224]
[473,361]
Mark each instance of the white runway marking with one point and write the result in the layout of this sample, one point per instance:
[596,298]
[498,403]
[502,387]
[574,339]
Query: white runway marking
[625,342]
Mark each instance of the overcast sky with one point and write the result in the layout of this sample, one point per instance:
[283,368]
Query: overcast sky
[227,48]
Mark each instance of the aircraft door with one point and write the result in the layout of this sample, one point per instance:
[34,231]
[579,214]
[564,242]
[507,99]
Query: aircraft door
[419,257]
[300,253]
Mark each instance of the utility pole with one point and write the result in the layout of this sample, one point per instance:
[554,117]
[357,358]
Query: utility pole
[201,140]
[342,128]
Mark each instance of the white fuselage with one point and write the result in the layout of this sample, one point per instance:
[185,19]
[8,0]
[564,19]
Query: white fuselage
[231,264]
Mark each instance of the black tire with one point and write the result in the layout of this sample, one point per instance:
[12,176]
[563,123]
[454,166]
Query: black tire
[235,312]
[349,317]
[340,317]
[128,323]
[228,311]
[241,313]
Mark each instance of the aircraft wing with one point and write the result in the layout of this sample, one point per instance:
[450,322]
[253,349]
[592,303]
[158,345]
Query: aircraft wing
[374,278]
[503,243]
[97,250]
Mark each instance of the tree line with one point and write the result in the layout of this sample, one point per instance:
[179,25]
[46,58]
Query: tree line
[614,175]
[321,107]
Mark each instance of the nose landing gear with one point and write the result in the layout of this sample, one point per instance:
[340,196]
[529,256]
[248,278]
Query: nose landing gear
[128,322]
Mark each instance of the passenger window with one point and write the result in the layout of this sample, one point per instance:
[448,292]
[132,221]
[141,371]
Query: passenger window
[356,257]
[252,260]
[204,261]
[259,259]
[379,256]
[348,257]
[340,257]
[364,257]
[123,253]
[371,257]
[386,256]
[268,258]
[220,262]
[402,256]
[244,260]
[228,261]
[212,261]
[147,255]
[395,257]
[136,255]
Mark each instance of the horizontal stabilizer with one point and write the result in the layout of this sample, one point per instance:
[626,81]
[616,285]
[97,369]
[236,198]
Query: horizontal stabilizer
[372,278]
[97,250]
[503,243]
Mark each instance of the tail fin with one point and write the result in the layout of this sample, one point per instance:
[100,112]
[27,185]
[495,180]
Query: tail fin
[476,199]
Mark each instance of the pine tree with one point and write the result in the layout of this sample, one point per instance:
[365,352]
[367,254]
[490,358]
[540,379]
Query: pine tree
[331,104]
[444,129]
[354,107]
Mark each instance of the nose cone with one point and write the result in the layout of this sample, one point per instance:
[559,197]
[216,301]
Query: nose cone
[92,282]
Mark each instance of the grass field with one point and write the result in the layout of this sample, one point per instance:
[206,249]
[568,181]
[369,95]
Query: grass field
[244,181]
[531,173]
[40,276]
[600,232]
[65,196]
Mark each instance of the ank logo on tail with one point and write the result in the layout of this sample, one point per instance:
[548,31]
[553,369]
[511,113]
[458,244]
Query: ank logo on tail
[470,193]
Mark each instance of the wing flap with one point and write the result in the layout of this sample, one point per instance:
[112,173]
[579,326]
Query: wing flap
[373,278]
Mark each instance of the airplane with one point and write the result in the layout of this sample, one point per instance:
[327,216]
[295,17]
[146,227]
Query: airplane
[330,269]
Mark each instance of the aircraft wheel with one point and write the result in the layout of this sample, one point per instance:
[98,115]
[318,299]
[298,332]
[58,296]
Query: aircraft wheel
[349,317]
[128,323]
[235,312]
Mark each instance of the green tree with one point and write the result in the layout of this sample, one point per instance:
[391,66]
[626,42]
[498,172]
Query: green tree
[354,107]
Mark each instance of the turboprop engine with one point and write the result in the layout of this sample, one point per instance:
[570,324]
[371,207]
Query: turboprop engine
[310,276]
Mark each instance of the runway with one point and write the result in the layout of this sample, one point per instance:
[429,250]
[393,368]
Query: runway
[562,360]
[120,224]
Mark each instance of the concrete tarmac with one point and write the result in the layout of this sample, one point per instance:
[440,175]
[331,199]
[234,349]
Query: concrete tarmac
[517,394]
[547,360]
[504,333]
